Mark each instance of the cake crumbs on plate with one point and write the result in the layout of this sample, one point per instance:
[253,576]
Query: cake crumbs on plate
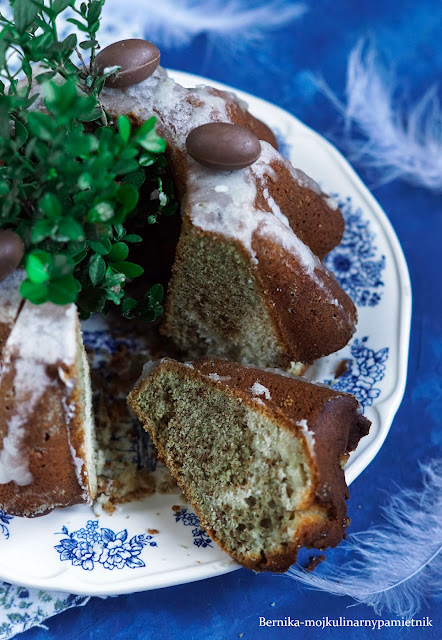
[314,561]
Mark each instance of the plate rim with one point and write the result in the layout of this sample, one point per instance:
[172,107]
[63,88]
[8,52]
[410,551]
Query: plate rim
[386,412]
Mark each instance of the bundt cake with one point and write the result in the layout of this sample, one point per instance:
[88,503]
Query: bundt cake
[248,282]
[258,454]
[47,452]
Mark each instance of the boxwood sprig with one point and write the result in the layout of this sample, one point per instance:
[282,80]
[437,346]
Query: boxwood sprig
[69,176]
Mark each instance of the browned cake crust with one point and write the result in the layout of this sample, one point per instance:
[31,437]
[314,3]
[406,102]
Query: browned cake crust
[309,324]
[305,210]
[301,317]
[44,400]
[328,424]
[47,446]
[334,418]
[295,321]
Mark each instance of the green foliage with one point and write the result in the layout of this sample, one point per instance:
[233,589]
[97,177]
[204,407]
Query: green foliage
[71,178]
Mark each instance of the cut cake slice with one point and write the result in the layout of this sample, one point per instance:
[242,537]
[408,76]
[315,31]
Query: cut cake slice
[248,282]
[258,454]
[47,456]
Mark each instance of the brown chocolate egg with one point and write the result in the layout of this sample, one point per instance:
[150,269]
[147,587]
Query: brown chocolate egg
[11,253]
[221,145]
[137,58]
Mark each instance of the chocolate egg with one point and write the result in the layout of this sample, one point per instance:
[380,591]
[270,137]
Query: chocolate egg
[11,253]
[137,58]
[220,145]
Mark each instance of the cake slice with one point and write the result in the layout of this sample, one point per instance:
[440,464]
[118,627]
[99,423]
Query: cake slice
[258,453]
[46,427]
[248,282]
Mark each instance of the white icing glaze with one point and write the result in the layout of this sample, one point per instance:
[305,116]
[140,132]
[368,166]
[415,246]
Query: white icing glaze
[217,201]
[332,203]
[259,389]
[42,335]
[309,435]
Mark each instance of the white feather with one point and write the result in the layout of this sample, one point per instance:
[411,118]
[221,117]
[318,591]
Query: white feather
[380,135]
[397,567]
[174,23]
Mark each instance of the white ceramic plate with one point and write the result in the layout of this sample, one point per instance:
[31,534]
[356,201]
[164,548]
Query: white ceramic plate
[72,550]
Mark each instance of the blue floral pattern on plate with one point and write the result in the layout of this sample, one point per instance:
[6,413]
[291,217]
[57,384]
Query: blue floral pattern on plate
[366,368]
[5,520]
[190,519]
[355,262]
[91,545]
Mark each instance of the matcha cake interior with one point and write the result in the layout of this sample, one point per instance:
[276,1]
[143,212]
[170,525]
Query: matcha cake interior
[248,477]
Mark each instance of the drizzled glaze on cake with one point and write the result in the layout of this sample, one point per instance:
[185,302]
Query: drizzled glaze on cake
[46,433]
[248,282]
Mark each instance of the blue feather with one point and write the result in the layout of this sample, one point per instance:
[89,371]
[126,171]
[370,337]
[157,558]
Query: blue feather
[397,567]
[174,23]
[396,142]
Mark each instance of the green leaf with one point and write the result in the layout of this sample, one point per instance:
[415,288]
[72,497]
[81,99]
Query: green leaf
[37,266]
[60,5]
[78,24]
[119,230]
[24,13]
[102,212]
[135,179]
[41,126]
[44,77]
[155,294]
[130,269]
[119,252]
[62,265]
[147,137]
[64,290]
[85,181]
[146,127]
[152,142]
[102,247]
[90,117]
[97,269]
[114,279]
[41,230]
[82,145]
[128,196]
[94,11]
[132,237]
[34,292]
[128,304]
[147,159]
[124,127]
[69,43]
[21,134]
[114,296]
[88,44]
[50,205]
[71,229]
